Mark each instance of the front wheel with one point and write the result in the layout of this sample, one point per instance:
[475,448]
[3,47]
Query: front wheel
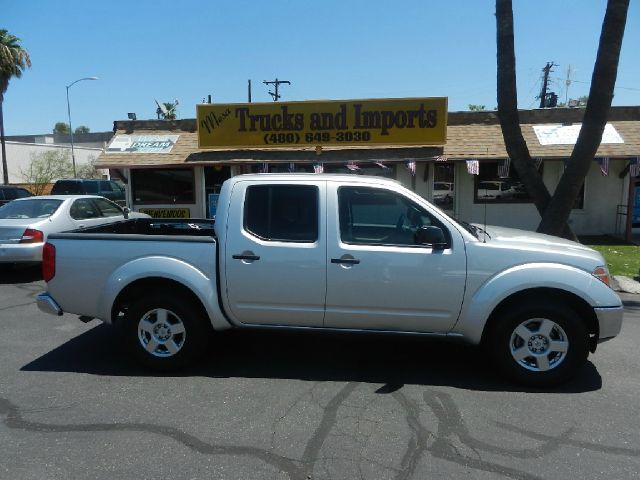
[166,331]
[539,345]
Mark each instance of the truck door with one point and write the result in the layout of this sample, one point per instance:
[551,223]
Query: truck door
[275,253]
[378,277]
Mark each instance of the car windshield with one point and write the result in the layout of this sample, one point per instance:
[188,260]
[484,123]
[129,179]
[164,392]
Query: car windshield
[31,208]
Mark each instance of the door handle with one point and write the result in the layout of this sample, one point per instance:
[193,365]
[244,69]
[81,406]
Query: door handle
[245,257]
[348,261]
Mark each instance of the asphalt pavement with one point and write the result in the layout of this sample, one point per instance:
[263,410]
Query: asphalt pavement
[293,406]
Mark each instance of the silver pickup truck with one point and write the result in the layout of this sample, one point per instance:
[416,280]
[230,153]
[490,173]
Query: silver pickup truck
[342,253]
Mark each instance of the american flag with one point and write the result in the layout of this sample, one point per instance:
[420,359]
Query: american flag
[381,165]
[264,168]
[538,162]
[473,167]
[634,167]
[411,166]
[318,168]
[353,167]
[441,158]
[503,168]
[604,165]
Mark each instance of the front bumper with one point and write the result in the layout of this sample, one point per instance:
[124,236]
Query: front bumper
[47,304]
[610,322]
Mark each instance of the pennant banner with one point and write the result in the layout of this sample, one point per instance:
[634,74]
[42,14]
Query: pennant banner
[264,168]
[503,168]
[318,168]
[634,167]
[473,167]
[353,167]
[381,165]
[604,165]
[411,166]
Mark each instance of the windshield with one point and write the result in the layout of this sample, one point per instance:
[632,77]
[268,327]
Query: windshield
[31,208]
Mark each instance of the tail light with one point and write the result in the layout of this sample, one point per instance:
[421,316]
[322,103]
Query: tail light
[48,262]
[32,236]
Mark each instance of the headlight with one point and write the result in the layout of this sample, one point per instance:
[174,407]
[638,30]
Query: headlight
[602,274]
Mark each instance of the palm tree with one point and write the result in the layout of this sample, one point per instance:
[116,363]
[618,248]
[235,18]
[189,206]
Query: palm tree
[13,60]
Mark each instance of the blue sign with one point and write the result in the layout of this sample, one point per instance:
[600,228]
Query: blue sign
[212,201]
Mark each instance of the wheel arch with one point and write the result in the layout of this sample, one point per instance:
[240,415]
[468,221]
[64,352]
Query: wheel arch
[139,287]
[546,296]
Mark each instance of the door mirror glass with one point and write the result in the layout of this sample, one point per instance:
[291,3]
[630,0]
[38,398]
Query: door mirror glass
[431,235]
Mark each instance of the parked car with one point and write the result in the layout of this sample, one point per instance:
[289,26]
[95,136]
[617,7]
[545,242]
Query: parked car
[83,186]
[8,193]
[26,223]
[351,253]
[491,190]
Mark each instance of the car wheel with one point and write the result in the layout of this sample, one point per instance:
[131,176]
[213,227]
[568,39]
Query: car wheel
[166,331]
[539,345]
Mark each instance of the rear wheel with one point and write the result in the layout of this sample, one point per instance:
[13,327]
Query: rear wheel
[166,331]
[539,345]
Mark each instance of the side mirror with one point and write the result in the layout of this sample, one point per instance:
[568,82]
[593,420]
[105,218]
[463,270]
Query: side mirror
[431,235]
[126,212]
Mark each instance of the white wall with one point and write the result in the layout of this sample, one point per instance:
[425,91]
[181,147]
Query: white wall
[19,156]
[602,195]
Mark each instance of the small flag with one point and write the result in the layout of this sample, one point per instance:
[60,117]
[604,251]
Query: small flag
[292,167]
[381,165]
[604,165]
[441,158]
[411,166]
[503,168]
[537,162]
[634,167]
[353,167]
[473,167]
[318,168]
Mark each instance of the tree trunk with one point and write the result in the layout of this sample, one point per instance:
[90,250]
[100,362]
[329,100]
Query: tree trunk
[603,82]
[5,173]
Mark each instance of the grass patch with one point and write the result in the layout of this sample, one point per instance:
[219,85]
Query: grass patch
[622,258]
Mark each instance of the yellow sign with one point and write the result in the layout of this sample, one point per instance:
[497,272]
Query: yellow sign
[408,121]
[166,212]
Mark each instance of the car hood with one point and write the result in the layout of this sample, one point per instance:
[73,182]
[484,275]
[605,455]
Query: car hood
[527,240]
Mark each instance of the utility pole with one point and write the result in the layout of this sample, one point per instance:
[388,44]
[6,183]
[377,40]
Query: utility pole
[567,83]
[276,83]
[545,82]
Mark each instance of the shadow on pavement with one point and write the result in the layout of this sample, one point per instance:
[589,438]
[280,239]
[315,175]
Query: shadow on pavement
[390,360]
[19,274]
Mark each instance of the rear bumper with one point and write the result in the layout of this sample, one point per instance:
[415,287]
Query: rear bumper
[610,321]
[47,304]
[21,252]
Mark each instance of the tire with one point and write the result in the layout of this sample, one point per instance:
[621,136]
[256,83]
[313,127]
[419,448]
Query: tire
[166,331]
[538,345]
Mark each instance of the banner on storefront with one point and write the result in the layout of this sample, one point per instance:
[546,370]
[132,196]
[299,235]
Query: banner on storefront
[410,121]
[166,212]
[142,144]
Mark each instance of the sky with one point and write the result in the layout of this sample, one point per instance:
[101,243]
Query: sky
[145,50]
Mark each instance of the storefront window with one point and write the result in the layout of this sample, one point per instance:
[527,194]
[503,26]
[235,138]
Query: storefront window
[444,185]
[491,188]
[163,186]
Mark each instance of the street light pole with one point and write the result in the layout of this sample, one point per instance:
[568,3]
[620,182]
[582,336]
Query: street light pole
[73,155]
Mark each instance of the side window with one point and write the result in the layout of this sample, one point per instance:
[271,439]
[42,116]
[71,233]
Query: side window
[105,186]
[107,209]
[9,193]
[372,216]
[22,193]
[82,209]
[286,213]
[90,187]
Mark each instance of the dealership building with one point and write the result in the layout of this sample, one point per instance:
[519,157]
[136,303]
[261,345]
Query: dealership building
[457,160]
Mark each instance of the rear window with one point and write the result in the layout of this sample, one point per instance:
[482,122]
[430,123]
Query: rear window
[31,208]
[66,187]
[90,187]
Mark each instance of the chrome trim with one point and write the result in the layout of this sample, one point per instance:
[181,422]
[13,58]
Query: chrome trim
[47,304]
[609,320]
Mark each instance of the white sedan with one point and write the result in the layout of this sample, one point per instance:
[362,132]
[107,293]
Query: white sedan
[26,223]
